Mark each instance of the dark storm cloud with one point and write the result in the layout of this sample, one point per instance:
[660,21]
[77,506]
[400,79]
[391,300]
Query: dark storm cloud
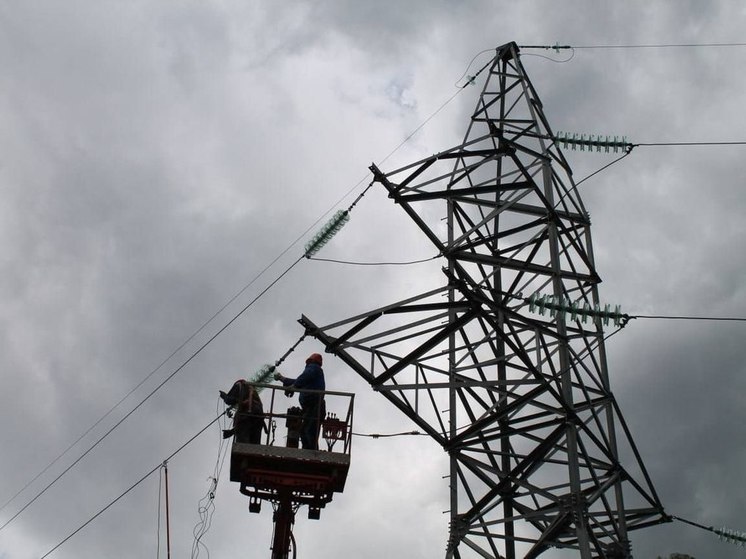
[153,159]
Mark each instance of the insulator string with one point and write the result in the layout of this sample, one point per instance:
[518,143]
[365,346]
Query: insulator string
[724,534]
[264,373]
[599,142]
[559,306]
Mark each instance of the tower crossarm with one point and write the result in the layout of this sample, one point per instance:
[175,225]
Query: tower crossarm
[520,401]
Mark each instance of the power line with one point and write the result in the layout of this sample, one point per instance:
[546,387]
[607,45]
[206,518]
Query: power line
[168,378]
[386,435]
[562,306]
[144,380]
[131,487]
[206,323]
[710,318]
[557,47]
[173,353]
[206,511]
[735,143]
[589,142]
[579,357]
[469,81]
[470,78]
[659,46]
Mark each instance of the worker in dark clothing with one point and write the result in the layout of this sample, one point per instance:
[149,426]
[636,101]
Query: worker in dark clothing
[313,406]
[248,421]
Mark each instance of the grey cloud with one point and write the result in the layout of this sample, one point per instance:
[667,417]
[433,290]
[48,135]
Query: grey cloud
[154,159]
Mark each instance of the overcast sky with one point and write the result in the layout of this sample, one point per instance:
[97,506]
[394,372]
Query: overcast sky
[156,156]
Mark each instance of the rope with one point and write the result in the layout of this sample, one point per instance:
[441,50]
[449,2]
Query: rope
[206,505]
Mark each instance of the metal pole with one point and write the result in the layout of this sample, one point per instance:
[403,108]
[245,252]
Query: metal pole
[168,523]
[284,518]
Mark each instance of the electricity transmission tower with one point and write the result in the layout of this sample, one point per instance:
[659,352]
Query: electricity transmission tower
[516,393]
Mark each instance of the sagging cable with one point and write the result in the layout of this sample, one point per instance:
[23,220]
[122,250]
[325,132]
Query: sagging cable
[131,487]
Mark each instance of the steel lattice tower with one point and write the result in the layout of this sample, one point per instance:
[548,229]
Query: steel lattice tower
[519,400]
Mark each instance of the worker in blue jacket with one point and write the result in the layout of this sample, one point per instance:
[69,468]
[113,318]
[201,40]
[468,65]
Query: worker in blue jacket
[312,404]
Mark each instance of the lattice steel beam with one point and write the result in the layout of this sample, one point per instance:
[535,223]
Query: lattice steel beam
[521,402]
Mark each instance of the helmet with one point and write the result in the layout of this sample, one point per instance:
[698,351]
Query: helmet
[314,358]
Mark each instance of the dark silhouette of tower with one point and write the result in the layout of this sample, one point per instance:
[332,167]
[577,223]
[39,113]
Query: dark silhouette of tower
[516,392]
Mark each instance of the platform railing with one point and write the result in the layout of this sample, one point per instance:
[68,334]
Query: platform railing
[282,417]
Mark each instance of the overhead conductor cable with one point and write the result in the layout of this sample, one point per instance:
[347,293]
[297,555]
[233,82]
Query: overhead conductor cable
[321,239]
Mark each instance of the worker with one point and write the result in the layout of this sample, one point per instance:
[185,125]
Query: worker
[248,420]
[312,404]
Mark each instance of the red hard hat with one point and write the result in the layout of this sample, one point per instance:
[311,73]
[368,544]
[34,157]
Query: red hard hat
[314,358]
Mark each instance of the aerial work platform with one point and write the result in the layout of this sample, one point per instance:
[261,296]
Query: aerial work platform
[276,467]
[276,470]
